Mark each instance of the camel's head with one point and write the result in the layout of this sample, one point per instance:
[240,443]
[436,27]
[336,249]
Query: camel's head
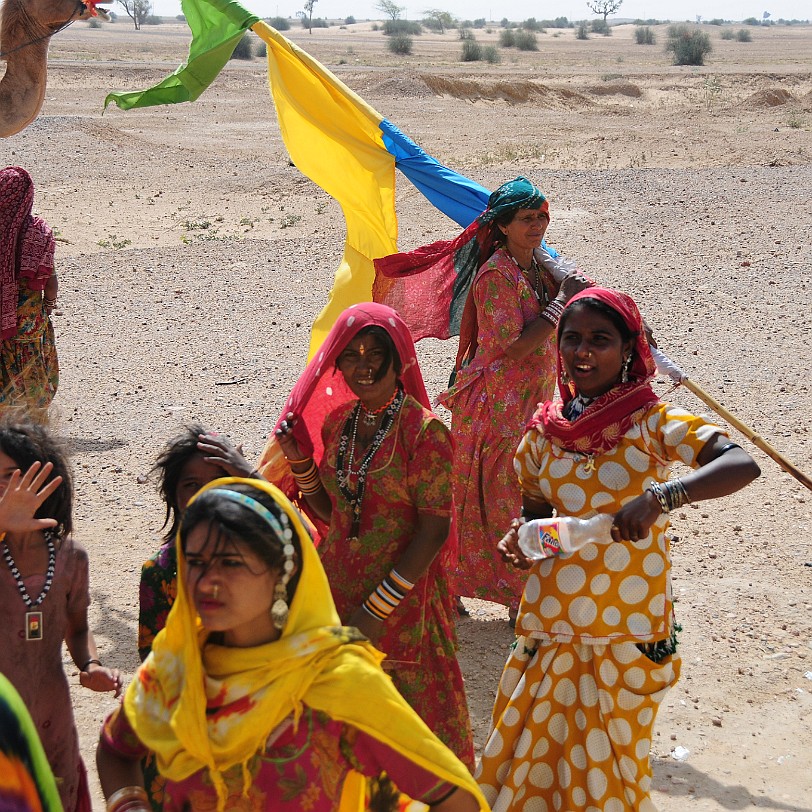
[44,17]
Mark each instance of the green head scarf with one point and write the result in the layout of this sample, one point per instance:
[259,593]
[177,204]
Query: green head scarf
[512,196]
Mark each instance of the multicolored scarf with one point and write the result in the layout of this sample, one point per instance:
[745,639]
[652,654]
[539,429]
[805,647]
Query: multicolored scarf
[203,706]
[26,245]
[429,286]
[607,418]
[26,781]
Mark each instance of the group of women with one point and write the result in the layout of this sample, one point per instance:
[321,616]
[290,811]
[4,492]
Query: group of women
[263,686]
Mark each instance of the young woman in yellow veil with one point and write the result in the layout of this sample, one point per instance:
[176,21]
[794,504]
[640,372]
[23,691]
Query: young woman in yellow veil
[254,697]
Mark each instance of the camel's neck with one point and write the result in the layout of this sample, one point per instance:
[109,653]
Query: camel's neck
[22,88]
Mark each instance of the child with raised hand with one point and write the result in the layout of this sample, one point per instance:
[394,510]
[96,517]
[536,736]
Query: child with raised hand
[189,461]
[44,598]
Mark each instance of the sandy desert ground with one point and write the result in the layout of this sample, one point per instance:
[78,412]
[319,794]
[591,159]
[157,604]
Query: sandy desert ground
[193,259]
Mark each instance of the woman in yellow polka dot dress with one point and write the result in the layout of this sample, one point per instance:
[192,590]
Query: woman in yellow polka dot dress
[596,652]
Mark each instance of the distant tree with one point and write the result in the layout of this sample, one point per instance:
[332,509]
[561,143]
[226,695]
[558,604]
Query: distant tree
[279,23]
[526,40]
[349,20]
[308,14]
[408,28]
[582,30]
[390,8]
[688,43]
[400,44]
[137,10]
[644,35]
[438,20]
[471,49]
[604,7]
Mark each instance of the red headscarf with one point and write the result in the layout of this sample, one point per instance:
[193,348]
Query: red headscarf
[26,245]
[321,388]
[605,420]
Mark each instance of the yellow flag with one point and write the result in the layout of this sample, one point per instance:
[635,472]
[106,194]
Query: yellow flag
[334,137]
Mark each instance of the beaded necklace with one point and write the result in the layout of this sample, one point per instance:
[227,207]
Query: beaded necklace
[346,454]
[371,417]
[33,619]
[539,290]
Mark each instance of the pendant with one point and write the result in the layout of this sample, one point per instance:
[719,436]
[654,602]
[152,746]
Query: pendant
[589,464]
[370,418]
[33,625]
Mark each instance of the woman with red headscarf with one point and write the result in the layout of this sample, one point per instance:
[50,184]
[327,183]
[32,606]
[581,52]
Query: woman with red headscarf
[360,450]
[29,372]
[597,647]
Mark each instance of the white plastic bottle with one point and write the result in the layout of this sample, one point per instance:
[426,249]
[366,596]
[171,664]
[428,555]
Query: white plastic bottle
[544,538]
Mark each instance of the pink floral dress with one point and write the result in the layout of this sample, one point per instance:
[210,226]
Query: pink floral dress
[491,402]
[410,473]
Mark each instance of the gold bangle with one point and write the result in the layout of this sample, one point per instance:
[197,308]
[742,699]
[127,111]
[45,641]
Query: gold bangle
[297,462]
[131,799]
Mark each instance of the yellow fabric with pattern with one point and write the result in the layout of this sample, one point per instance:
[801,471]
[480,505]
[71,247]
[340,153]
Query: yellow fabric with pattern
[613,592]
[575,710]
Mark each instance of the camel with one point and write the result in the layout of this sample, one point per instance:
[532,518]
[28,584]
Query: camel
[26,28]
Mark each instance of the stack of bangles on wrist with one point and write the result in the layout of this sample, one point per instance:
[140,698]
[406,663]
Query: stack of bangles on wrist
[49,302]
[552,312]
[670,494]
[129,799]
[389,593]
[308,481]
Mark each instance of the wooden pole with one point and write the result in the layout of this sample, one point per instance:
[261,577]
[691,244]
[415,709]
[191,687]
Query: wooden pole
[665,366]
[756,439]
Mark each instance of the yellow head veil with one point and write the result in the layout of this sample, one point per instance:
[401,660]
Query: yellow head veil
[314,662]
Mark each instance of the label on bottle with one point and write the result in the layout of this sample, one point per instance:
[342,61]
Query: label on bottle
[549,539]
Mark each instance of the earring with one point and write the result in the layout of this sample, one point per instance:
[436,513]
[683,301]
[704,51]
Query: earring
[624,375]
[565,379]
[279,609]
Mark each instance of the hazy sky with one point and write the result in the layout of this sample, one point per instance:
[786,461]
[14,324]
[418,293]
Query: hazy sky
[522,9]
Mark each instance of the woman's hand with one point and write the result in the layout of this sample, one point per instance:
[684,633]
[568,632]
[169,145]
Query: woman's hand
[23,497]
[284,435]
[98,678]
[509,550]
[220,451]
[633,521]
[574,282]
[366,624]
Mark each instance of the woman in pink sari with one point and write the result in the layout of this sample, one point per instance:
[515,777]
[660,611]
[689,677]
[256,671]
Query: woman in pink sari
[29,371]
[359,449]
[505,363]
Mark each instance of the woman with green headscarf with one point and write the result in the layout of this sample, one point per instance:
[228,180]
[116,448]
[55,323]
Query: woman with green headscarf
[500,286]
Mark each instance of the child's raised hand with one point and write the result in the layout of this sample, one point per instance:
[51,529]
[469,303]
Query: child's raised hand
[23,496]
